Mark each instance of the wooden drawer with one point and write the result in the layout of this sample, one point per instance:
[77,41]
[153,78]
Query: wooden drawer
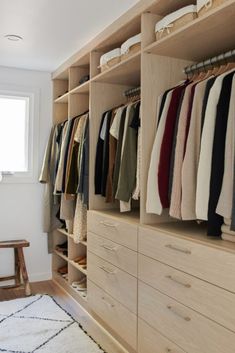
[190,291]
[115,315]
[117,254]
[149,338]
[119,284]
[124,233]
[213,265]
[188,329]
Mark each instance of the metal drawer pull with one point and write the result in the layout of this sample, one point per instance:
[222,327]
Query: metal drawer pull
[177,312]
[108,303]
[173,247]
[110,248]
[107,270]
[107,224]
[186,285]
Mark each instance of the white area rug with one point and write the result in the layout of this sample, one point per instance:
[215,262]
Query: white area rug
[38,324]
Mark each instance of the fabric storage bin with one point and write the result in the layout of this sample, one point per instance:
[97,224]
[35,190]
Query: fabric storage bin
[175,20]
[204,5]
[131,46]
[110,59]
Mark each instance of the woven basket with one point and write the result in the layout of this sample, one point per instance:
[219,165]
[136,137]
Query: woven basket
[182,21]
[215,3]
[110,63]
[132,50]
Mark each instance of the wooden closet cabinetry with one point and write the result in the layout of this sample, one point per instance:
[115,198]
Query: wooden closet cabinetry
[153,285]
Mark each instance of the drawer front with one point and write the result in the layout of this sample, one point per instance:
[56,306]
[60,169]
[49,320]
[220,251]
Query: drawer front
[114,253]
[112,228]
[190,291]
[115,315]
[119,284]
[149,338]
[188,329]
[213,265]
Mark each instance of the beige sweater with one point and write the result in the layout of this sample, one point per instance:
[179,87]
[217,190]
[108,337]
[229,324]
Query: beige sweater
[190,163]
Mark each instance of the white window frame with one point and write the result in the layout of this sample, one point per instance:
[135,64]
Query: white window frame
[33,95]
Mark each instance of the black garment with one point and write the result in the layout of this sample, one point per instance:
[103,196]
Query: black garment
[135,123]
[118,152]
[67,141]
[83,187]
[215,221]
[209,85]
[172,161]
[105,162]
[99,159]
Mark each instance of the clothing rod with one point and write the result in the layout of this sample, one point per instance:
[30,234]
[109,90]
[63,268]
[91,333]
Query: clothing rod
[209,62]
[132,91]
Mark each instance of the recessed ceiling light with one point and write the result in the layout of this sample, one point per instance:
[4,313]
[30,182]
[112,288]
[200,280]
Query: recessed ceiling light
[13,37]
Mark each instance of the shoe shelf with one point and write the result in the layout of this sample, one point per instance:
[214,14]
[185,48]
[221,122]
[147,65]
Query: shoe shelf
[78,267]
[61,255]
[184,43]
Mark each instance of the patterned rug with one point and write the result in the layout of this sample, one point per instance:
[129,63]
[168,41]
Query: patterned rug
[38,324]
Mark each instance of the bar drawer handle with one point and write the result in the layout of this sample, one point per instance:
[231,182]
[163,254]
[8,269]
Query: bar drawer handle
[110,248]
[107,270]
[176,280]
[178,313]
[108,303]
[108,224]
[176,248]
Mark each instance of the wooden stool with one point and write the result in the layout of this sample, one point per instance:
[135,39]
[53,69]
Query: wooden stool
[20,267]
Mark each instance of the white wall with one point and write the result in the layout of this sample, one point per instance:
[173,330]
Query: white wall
[21,204]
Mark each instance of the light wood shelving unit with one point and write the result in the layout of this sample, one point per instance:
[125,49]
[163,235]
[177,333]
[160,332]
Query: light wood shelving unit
[156,67]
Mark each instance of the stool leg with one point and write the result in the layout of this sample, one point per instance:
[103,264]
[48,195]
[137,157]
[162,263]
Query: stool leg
[24,272]
[17,268]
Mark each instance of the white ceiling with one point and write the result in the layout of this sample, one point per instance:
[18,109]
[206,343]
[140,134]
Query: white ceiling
[53,30]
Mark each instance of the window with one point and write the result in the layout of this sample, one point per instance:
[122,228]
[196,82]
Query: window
[14,134]
[19,134]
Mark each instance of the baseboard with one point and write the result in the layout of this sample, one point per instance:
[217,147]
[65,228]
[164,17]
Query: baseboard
[38,277]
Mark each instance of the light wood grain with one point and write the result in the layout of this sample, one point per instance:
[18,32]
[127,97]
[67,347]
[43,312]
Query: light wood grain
[188,329]
[113,313]
[209,264]
[116,254]
[150,339]
[119,284]
[113,229]
[211,301]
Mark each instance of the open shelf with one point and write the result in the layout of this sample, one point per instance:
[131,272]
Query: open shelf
[127,72]
[204,37]
[63,231]
[194,232]
[83,88]
[61,255]
[78,267]
[63,99]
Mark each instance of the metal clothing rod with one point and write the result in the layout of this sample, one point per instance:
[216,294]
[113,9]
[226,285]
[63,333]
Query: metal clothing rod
[132,92]
[209,62]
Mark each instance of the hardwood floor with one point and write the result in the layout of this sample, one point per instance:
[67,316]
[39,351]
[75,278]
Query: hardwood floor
[46,287]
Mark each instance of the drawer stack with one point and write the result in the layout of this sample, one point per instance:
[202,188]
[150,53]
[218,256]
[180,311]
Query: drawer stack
[112,273]
[186,295]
